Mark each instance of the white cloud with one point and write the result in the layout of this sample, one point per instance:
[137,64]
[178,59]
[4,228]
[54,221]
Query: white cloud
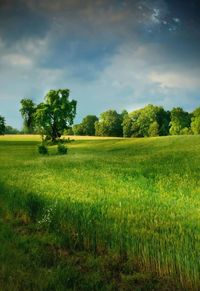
[16,59]
[176,80]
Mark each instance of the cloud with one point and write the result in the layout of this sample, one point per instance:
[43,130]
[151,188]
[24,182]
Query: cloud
[176,80]
[15,59]
[133,79]
[24,54]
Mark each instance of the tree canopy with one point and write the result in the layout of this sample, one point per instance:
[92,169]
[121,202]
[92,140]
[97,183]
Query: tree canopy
[148,121]
[51,117]
[55,114]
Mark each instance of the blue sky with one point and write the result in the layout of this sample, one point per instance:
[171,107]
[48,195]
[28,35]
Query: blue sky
[110,54]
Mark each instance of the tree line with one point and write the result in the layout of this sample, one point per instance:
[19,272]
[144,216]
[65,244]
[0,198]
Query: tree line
[55,115]
[150,120]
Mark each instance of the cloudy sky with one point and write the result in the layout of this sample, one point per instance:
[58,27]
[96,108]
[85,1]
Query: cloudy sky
[119,54]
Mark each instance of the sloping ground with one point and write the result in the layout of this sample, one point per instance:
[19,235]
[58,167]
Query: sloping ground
[134,202]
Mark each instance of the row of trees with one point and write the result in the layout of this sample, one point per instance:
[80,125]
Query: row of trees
[54,117]
[148,121]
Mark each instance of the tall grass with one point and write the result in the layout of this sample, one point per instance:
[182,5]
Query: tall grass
[138,198]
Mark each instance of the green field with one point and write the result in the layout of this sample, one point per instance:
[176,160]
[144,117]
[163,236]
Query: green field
[127,208]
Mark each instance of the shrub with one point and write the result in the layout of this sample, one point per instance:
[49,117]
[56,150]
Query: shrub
[42,149]
[62,149]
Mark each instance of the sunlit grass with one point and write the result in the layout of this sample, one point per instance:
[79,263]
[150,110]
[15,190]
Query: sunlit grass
[139,198]
[36,137]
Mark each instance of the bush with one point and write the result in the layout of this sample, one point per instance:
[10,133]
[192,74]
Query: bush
[42,149]
[62,149]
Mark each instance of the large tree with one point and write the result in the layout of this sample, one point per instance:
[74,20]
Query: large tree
[55,114]
[27,111]
[2,125]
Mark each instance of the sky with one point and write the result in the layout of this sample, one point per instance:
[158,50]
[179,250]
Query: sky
[111,54]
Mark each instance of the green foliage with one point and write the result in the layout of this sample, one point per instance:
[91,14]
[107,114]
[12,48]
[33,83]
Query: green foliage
[135,124]
[109,124]
[62,149]
[55,114]
[163,120]
[77,129]
[195,124]
[86,127]
[153,129]
[180,119]
[10,130]
[2,125]
[88,124]
[146,117]
[148,121]
[42,149]
[27,111]
[54,117]
[186,131]
[69,131]
[127,126]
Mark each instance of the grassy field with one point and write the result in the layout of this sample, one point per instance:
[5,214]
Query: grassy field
[113,214]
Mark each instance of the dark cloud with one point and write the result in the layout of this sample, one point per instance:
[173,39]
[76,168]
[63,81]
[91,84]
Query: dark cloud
[17,22]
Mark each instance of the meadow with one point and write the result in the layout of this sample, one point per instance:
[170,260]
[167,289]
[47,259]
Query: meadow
[128,208]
